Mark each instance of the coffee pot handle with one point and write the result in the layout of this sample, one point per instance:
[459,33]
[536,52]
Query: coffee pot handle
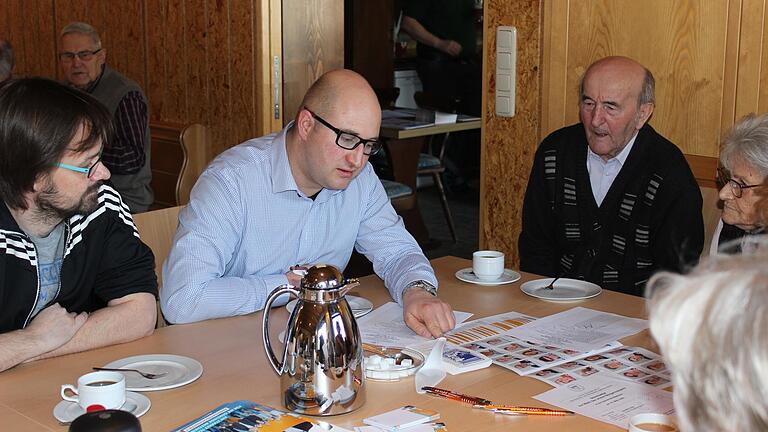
[277,365]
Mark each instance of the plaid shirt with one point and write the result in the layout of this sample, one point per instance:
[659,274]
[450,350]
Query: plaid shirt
[126,153]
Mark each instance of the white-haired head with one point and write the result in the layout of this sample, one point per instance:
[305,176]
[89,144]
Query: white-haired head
[712,328]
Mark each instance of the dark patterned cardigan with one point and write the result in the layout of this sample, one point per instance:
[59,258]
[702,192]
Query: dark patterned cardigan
[650,218]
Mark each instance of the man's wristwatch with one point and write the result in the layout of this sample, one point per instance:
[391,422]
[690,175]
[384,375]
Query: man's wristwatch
[426,286]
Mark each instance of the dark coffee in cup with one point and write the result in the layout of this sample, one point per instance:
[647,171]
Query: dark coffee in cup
[100,383]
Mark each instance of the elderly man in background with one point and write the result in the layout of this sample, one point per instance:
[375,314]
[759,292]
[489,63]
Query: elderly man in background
[744,160]
[73,273]
[712,328]
[610,200]
[306,195]
[6,60]
[127,154]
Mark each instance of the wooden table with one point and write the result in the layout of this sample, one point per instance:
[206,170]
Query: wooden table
[236,368]
[403,148]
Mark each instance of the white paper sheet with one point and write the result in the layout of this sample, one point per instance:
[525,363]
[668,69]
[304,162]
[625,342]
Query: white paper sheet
[579,328]
[385,326]
[609,400]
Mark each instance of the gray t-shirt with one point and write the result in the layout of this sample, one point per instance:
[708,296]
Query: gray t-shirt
[50,254]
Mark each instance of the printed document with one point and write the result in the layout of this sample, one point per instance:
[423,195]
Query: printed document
[609,400]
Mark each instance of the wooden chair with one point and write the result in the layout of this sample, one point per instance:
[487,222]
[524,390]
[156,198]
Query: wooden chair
[711,210]
[179,156]
[193,144]
[157,229]
[435,165]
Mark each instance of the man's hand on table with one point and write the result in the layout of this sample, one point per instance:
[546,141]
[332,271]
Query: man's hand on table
[426,314]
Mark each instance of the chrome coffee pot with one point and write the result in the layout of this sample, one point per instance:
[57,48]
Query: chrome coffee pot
[321,370]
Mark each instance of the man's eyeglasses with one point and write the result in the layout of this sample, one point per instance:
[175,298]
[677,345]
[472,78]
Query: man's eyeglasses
[87,171]
[349,141]
[86,55]
[737,188]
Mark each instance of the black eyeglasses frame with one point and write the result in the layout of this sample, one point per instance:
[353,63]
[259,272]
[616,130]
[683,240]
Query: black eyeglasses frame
[373,149]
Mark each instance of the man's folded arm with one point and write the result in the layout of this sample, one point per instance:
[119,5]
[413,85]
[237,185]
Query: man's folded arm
[124,319]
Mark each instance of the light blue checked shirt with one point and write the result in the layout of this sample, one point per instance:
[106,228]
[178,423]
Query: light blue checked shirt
[247,223]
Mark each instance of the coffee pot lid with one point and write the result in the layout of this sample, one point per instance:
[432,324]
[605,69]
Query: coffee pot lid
[323,277]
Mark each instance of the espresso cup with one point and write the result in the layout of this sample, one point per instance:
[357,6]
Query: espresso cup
[652,422]
[97,388]
[488,265]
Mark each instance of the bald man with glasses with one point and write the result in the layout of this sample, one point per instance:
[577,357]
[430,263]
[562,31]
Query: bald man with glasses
[306,195]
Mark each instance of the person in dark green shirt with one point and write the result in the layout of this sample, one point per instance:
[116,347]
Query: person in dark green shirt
[448,63]
[450,72]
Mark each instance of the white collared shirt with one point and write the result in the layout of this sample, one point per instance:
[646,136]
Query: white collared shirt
[602,173]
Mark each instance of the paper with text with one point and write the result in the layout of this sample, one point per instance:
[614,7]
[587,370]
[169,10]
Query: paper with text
[609,400]
[385,326]
[580,329]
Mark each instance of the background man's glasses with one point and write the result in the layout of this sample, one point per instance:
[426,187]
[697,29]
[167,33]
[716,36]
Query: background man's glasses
[87,171]
[349,141]
[86,55]
[737,188]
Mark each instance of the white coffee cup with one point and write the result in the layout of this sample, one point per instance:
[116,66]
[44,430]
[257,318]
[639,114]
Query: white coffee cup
[488,265]
[652,422]
[97,388]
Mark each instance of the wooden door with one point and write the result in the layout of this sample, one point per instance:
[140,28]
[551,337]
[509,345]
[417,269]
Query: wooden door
[313,43]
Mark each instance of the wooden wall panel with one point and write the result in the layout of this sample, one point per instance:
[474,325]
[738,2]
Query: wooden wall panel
[199,61]
[508,144]
[196,25]
[684,44]
[218,73]
[242,65]
[313,43]
[29,29]
[204,61]
[763,77]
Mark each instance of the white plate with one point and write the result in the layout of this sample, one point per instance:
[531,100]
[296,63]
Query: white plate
[135,403]
[179,371]
[467,275]
[359,305]
[565,289]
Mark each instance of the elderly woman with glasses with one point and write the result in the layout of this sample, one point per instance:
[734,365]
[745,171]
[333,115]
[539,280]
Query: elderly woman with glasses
[744,160]
[712,328]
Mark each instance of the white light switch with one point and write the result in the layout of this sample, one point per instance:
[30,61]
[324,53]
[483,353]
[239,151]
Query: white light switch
[504,60]
[506,47]
[504,82]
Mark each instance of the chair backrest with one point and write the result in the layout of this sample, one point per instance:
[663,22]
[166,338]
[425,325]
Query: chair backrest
[193,144]
[711,211]
[179,155]
[157,229]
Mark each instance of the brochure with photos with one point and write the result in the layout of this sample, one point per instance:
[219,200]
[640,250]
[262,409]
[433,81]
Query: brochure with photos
[249,416]
[556,365]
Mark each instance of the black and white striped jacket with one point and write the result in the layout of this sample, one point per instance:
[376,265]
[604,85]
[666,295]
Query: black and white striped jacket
[104,259]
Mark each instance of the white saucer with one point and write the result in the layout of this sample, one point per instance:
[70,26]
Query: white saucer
[179,371]
[135,403]
[564,289]
[360,306]
[467,275]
